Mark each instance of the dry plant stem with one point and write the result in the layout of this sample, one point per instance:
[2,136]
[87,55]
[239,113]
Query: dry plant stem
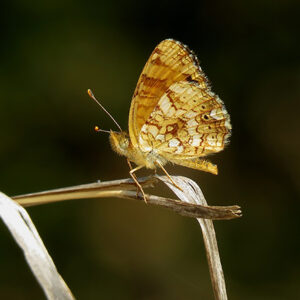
[126,188]
[26,236]
[91,190]
[193,194]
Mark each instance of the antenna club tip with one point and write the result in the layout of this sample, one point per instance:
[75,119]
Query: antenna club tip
[89,91]
[96,128]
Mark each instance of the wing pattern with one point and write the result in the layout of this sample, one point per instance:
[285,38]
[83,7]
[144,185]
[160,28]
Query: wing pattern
[187,122]
[170,62]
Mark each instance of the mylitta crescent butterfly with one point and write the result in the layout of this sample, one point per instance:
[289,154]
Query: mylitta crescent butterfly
[174,116]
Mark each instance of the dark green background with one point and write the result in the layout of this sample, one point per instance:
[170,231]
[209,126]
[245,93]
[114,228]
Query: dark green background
[52,51]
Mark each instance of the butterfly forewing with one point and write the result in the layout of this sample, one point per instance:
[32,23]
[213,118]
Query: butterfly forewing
[170,62]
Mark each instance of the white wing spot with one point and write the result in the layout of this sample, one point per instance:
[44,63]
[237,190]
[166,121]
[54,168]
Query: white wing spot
[179,150]
[192,131]
[227,124]
[170,112]
[174,143]
[190,91]
[217,114]
[192,123]
[190,114]
[177,88]
[212,139]
[153,130]
[196,140]
[165,105]
[144,129]
[211,142]
[160,137]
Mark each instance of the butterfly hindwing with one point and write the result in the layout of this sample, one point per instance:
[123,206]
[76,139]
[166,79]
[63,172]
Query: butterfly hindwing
[187,122]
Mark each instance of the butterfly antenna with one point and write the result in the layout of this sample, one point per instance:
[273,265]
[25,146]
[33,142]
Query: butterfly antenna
[97,129]
[94,98]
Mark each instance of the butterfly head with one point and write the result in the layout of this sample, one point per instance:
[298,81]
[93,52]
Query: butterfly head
[119,142]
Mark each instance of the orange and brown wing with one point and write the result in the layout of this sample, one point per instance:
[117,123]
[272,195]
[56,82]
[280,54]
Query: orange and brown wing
[188,122]
[170,62]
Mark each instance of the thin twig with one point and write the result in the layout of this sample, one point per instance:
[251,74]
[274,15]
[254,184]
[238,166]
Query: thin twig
[126,188]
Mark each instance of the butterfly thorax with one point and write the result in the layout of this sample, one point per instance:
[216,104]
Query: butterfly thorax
[120,143]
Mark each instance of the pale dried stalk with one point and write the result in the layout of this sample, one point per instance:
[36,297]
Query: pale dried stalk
[126,188]
[193,194]
[26,236]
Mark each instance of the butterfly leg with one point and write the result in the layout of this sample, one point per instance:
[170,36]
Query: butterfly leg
[133,176]
[165,171]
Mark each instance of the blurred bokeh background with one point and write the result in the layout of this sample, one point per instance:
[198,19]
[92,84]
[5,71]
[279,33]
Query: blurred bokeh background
[52,51]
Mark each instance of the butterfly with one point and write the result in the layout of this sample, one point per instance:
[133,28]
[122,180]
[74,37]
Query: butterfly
[174,116]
